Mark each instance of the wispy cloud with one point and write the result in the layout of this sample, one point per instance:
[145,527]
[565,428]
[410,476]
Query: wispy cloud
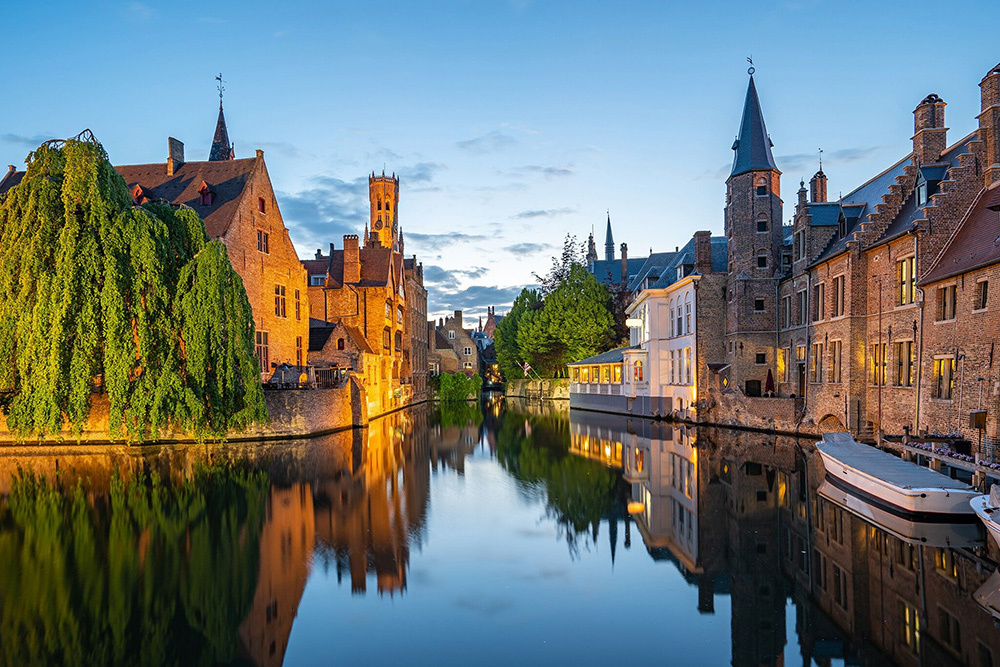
[527,249]
[437,275]
[472,299]
[547,172]
[421,172]
[431,241]
[24,140]
[544,213]
[797,161]
[326,210]
[492,142]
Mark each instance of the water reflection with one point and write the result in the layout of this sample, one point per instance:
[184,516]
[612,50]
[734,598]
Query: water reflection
[221,554]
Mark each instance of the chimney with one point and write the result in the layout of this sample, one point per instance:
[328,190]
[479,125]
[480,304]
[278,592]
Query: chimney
[319,253]
[624,263]
[817,186]
[458,319]
[703,252]
[175,155]
[430,334]
[989,124]
[930,136]
[352,259]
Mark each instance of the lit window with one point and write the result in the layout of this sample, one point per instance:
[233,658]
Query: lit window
[910,627]
[877,360]
[836,361]
[944,377]
[906,270]
[638,371]
[816,369]
[904,363]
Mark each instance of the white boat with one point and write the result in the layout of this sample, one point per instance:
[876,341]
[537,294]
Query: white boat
[952,534]
[988,509]
[987,596]
[883,478]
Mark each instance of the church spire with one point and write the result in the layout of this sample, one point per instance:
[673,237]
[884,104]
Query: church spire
[221,148]
[753,145]
[609,242]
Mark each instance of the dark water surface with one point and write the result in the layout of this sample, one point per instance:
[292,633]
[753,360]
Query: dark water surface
[500,536]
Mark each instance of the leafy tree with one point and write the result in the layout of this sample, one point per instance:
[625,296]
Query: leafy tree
[458,387]
[505,336]
[95,291]
[572,255]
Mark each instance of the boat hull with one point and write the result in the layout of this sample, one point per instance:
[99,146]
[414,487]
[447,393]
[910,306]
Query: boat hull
[924,501]
[988,515]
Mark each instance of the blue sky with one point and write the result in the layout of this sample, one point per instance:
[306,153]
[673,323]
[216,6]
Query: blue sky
[511,122]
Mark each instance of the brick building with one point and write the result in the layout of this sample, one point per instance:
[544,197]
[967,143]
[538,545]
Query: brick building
[236,200]
[461,341]
[415,340]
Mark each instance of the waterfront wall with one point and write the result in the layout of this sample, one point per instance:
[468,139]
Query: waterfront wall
[557,389]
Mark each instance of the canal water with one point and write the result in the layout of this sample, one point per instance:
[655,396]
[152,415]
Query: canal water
[492,536]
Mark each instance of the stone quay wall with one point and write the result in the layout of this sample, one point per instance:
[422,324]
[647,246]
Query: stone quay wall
[557,390]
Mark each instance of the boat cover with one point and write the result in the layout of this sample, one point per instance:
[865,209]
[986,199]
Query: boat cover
[885,466]
[994,495]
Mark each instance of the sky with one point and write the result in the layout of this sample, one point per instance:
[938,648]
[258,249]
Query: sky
[511,123]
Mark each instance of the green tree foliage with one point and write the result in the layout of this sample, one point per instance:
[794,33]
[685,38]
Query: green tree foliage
[459,387]
[505,336]
[148,573]
[572,255]
[95,289]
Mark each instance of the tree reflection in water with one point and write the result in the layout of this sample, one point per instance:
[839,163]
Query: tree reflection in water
[148,572]
[579,492]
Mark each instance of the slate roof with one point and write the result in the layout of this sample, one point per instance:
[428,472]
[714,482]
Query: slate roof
[685,256]
[610,357]
[226,180]
[221,148]
[753,145]
[320,332]
[609,240]
[653,267]
[976,243]
[603,267]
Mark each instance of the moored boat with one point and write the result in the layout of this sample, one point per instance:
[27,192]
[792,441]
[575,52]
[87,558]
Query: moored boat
[899,485]
[987,508]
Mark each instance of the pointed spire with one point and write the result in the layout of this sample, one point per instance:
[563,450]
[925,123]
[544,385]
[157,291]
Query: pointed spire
[753,145]
[221,148]
[609,242]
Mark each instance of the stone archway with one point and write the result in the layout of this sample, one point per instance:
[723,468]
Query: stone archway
[831,424]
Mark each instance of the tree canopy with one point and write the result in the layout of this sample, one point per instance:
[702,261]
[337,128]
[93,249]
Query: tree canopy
[98,294]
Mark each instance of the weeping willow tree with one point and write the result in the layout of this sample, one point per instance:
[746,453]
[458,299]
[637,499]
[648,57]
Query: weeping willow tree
[95,290]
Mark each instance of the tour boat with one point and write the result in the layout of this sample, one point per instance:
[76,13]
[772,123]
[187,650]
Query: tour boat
[909,529]
[899,485]
[987,596]
[988,509]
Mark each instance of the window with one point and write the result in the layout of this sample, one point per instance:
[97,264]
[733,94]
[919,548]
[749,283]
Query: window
[800,245]
[687,365]
[840,586]
[378,205]
[388,310]
[944,377]
[206,196]
[819,569]
[762,261]
[945,563]
[260,350]
[468,351]
[904,363]
[758,305]
[672,321]
[399,340]
[279,301]
[836,361]
[760,358]
[680,321]
[982,292]
[906,280]
[762,223]
[399,314]
[298,350]
[340,343]
[837,525]
[838,297]
[786,311]
[575,374]
[605,374]
[802,307]
[877,360]
[816,371]
[263,242]
[638,371]
[385,338]
[909,626]
[298,307]
[467,365]
[761,187]
[616,373]
[782,364]
[687,314]
[261,206]
[673,365]
[388,207]
[949,631]
[946,303]
[922,194]
[819,302]
[451,335]
[317,280]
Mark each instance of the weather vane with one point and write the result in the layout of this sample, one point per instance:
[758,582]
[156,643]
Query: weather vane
[221,87]
[821,159]
[750,70]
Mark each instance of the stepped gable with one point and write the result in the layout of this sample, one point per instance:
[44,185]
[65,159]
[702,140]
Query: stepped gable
[226,179]
[975,244]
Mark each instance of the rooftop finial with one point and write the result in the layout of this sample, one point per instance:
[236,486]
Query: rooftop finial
[821,160]
[221,88]
[750,70]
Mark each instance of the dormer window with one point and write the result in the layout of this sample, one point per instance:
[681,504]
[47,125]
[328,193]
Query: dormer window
[206,194]
[843,226]
[922,193]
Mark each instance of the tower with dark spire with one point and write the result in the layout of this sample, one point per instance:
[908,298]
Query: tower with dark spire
[383,197]
[609,243]
[221,148]
[753,228]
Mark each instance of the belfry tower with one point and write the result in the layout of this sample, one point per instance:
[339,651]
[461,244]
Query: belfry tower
[383,195]
[753,228]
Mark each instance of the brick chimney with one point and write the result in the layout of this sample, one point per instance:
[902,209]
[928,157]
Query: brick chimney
[989,124]
[431,338]
[817,187]
[930,136]
[352,259]
[624,263]
[175,155]
[458,319]
[703,252]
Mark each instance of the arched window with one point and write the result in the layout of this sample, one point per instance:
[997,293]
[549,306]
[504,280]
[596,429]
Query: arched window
[379,205]
[388,205]
[638,371]
[340,343]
